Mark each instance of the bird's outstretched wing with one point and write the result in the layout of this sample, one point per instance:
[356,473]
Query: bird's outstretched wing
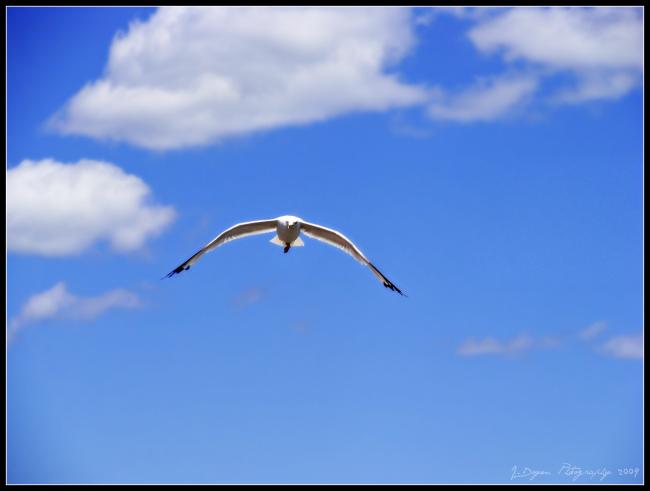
[337,239]
[235,232]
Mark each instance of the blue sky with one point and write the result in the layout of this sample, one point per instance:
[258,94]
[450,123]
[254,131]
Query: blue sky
[489,162]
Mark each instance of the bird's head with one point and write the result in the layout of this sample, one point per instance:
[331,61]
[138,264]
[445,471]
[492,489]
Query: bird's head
[291,222]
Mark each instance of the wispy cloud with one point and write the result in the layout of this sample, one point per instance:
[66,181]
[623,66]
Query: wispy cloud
[57,209]
[192,76]
[489,99]
[592,331]
[248,297]
[597,85]
[59,303]
[623,346]
[628,346]
[492,346]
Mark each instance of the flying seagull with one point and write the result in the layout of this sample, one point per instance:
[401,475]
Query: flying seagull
[287,229]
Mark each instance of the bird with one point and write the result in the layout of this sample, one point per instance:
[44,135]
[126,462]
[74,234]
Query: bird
[287,229]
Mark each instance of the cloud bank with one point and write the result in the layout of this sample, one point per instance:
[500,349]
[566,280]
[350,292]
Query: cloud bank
[59,303]
[57,209]
[191,76]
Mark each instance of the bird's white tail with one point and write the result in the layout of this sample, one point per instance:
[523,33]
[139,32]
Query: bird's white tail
[296,243]
[276,240]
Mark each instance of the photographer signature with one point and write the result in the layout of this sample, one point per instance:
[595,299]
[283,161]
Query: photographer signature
[575,472]
[572,472]
[526,472]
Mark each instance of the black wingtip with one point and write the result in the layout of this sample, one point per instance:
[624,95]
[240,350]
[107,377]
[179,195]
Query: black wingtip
[180,269]
[387,283]
[394,288]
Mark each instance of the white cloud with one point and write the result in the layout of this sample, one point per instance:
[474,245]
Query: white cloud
[471,13]
[597,85]
[570,38]
[56,209]
[630,347]
[624,346]
[59,303]
[592,331]
[192,76]
[488,99]
[601,47]
[491,346]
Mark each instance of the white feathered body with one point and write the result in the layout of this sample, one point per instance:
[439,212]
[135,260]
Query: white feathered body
[288,230]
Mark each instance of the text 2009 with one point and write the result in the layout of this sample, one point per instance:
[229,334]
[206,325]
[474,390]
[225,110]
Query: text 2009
[628,471]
